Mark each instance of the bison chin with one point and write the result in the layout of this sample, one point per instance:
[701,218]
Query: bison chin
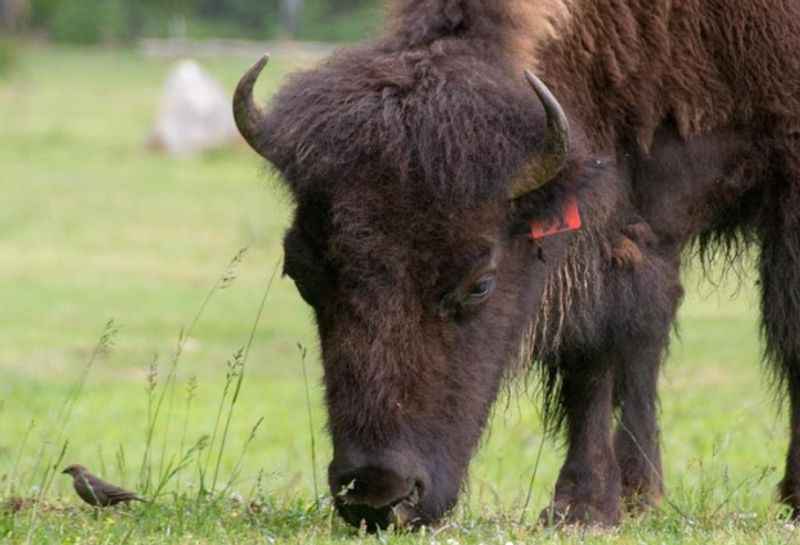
[391,489]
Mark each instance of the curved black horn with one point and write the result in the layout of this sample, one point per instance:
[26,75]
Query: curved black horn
[542,168]
[246,112]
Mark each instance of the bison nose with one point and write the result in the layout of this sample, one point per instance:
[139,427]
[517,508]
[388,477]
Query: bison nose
[376,492]
[372,486]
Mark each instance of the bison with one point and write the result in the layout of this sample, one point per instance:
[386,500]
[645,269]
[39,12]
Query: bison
[458,220]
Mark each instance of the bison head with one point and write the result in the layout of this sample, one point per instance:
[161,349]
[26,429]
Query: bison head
[416,177]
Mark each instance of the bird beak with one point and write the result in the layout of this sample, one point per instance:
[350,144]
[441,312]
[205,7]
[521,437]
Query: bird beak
[65,472]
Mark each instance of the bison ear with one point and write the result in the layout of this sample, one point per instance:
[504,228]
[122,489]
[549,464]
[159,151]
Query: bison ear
[543,167]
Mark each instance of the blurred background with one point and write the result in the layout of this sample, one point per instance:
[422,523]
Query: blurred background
[124,21]
[125,195]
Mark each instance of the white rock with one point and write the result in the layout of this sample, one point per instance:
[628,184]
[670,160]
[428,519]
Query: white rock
[195,113]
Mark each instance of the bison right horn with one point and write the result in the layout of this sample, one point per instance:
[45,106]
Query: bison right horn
[542,168]
[248,115]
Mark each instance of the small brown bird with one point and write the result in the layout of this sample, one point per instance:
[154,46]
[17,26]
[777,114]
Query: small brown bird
[96,491]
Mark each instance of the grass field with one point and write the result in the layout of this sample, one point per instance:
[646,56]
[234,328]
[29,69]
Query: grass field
[94,227]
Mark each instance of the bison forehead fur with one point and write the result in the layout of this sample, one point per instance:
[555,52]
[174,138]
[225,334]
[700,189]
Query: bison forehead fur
[677,126]
[437,121]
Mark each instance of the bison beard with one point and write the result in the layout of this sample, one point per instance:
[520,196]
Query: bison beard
[418,164]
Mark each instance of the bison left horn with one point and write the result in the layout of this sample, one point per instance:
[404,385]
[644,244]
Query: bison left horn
[248,115]
[544,167]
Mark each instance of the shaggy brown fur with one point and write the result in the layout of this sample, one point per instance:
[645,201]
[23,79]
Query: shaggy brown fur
[626,66]
[425,285]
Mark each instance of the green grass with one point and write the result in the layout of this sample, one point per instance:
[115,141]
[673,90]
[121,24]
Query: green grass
[93,227]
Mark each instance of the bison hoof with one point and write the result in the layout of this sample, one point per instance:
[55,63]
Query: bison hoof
[561,513]
[641,501]
[789,494]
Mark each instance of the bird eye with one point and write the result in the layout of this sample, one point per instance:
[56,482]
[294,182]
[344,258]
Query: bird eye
[481,290]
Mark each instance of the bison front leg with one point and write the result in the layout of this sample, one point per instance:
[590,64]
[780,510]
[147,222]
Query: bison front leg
[588,488]
[636,443]
[640,343]
[780,308]
[789,487]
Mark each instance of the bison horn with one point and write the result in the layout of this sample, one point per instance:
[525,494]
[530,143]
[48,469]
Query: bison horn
[542,168]
[246,112]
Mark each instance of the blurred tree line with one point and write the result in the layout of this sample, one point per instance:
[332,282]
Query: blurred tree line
[95,21]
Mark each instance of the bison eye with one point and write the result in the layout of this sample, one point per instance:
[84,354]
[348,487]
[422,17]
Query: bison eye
[464,300]
[481,290]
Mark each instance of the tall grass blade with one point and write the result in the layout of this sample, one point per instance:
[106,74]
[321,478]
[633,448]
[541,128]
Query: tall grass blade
[529,495]
[223,282]
[303,354]
[238,466]
[229,377]
[18,458]
[240,377]
[172,469]
[47,480]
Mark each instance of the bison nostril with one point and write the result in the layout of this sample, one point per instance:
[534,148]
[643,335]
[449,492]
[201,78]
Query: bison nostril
[419,489]
[373,486]
[403,515]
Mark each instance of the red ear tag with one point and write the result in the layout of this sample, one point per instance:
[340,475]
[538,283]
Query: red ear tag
[569,220]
